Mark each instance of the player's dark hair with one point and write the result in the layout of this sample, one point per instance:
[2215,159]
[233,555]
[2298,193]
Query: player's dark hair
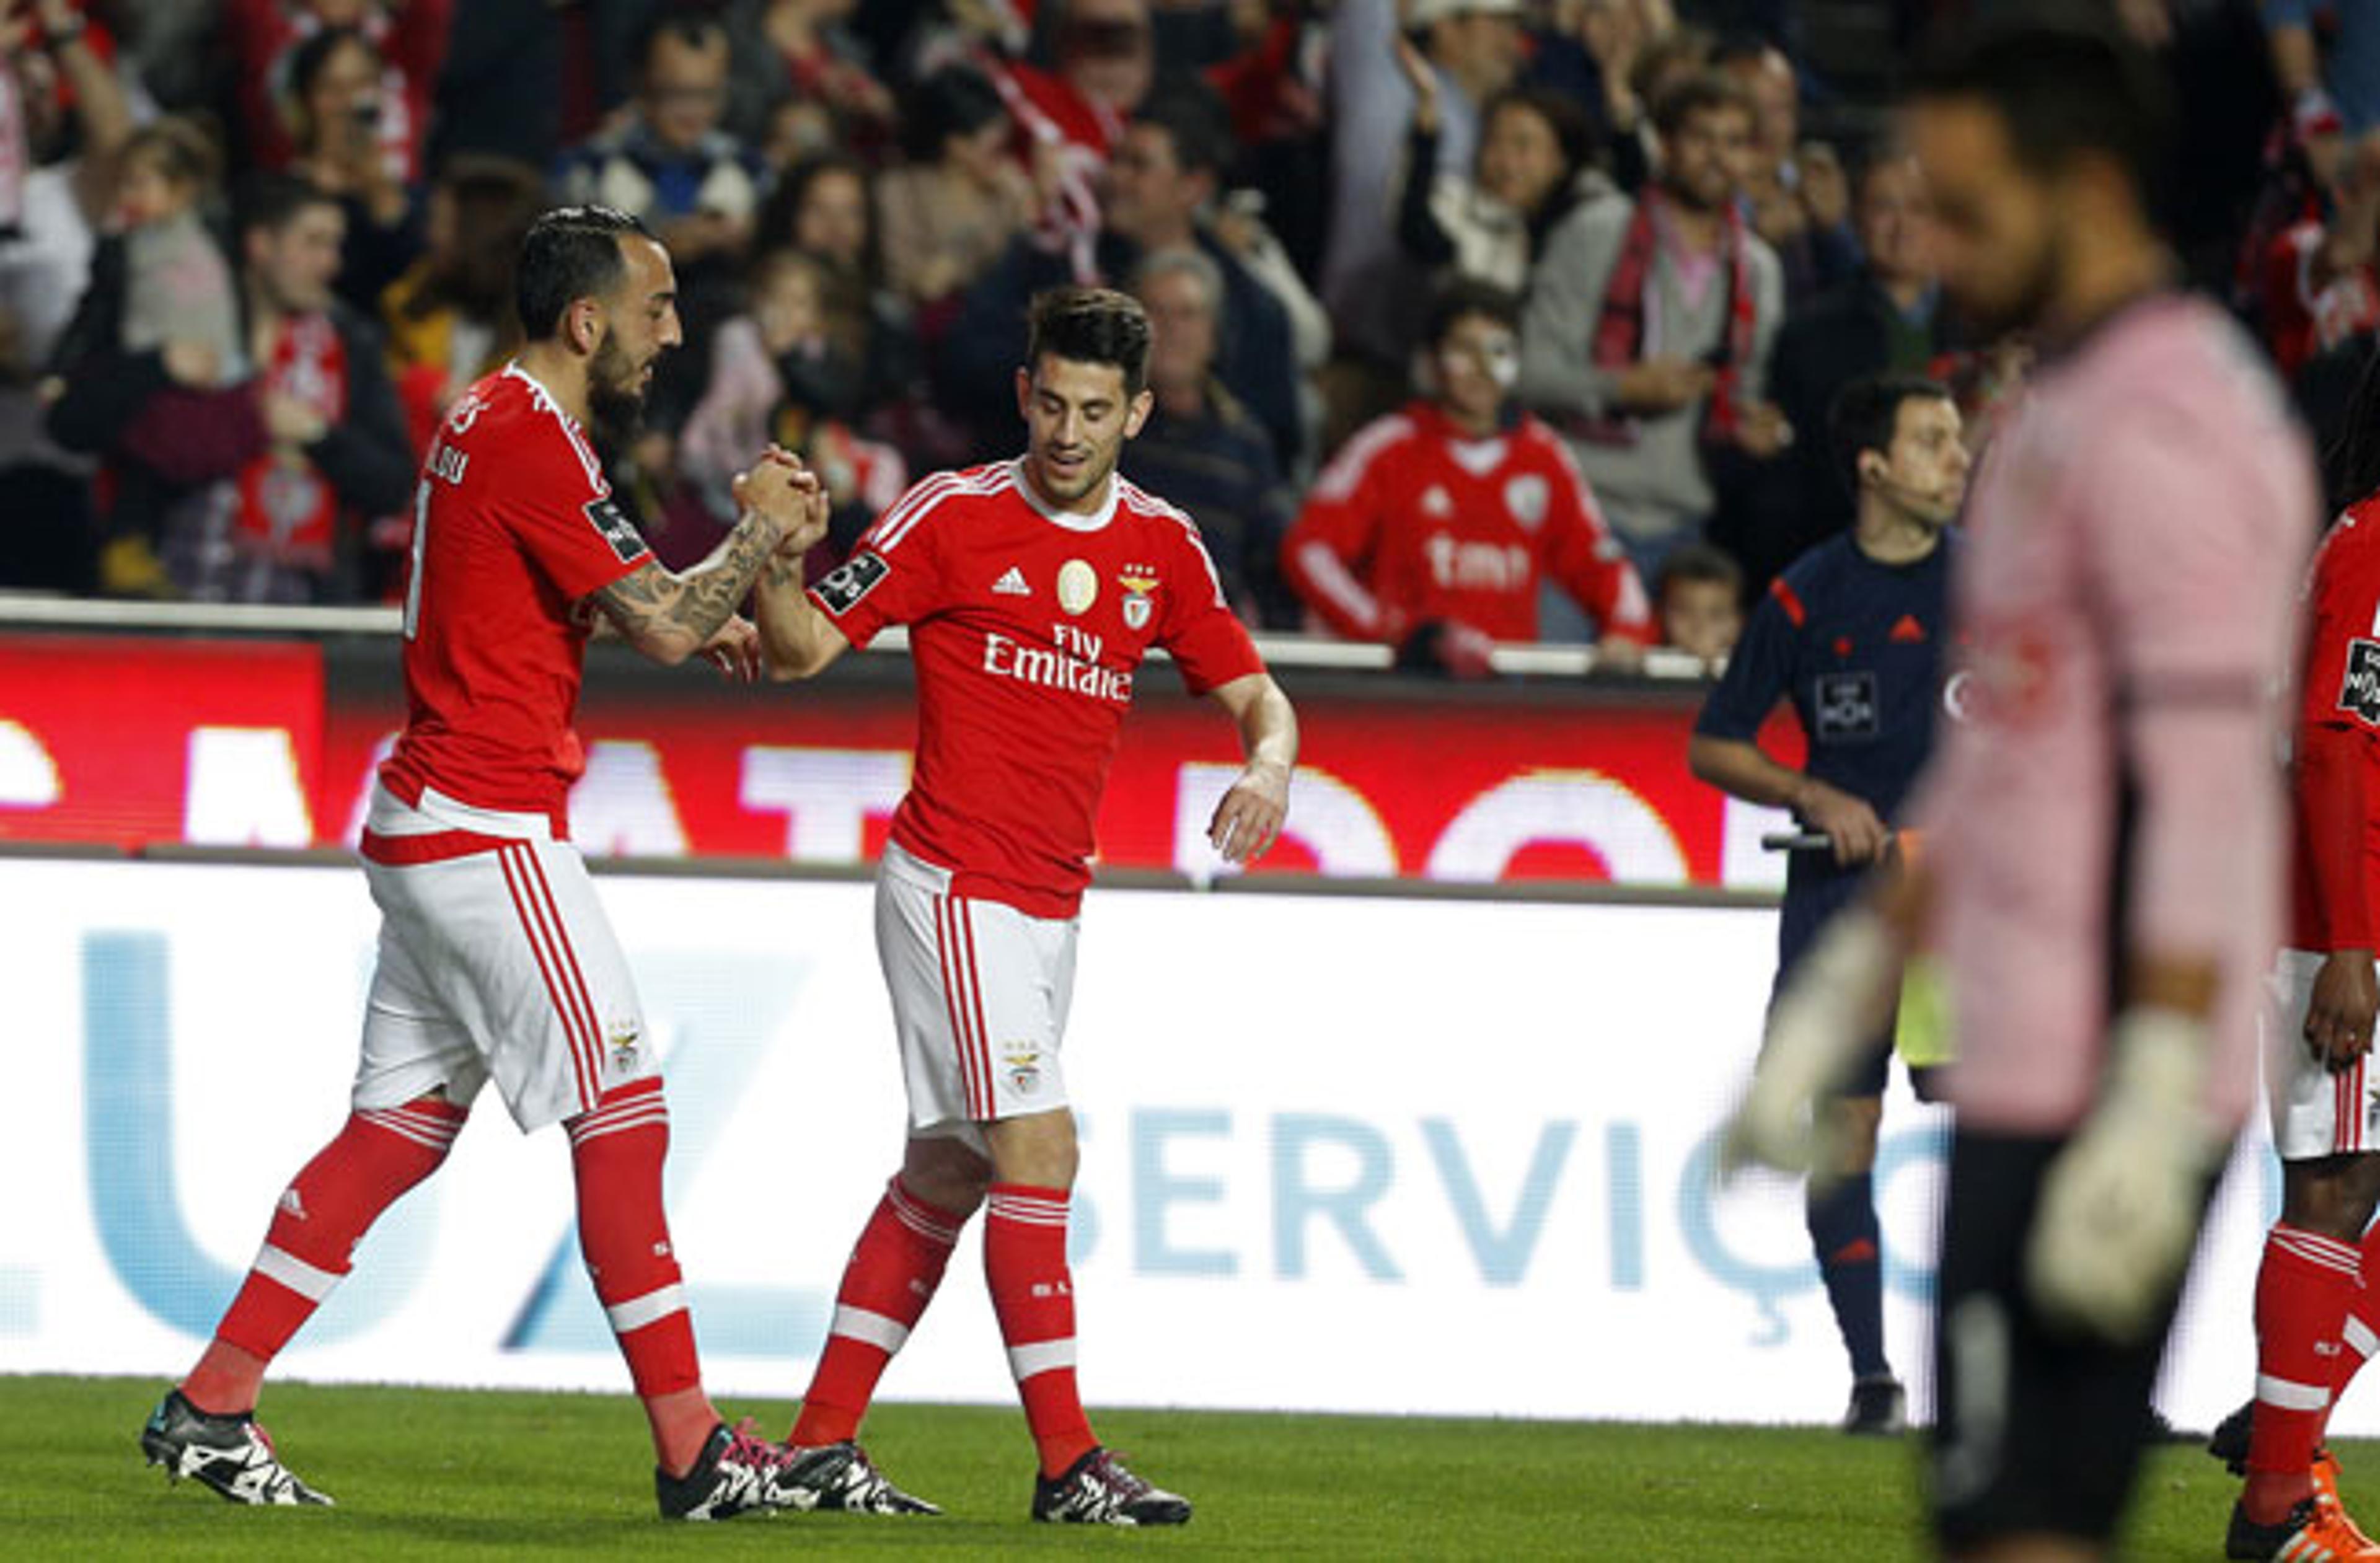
[1193,117]
[1468,296]
[1091,325]
[1705,91]
[270,201]
[2351,466]
[571,252]
[1865,414]
[1698,563]
[2067,80]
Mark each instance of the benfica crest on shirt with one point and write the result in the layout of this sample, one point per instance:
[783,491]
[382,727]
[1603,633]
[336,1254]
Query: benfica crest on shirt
[2360,691]
[1137,607]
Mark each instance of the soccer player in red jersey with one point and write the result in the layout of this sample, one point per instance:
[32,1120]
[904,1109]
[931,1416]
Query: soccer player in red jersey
[2317,1315]
[1032,589]
[495,958]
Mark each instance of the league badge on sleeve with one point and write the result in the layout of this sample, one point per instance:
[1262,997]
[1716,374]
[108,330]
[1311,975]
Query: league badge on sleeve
[2360,691]
[606,516]
[850,580]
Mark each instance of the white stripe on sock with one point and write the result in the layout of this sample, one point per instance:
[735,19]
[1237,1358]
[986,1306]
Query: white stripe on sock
[639,1312]
[2359,1336]
[2289,1396]
[859,1324]
[1041,1356]
[295,1273]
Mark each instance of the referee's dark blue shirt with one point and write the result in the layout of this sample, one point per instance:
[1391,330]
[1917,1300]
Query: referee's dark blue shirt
[1857,646]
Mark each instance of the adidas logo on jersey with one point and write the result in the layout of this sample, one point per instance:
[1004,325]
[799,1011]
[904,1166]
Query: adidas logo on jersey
[1012,583]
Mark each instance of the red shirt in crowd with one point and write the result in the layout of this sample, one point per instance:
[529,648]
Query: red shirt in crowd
[1414,521]
[514,524]
[1027,626]
[2304,315]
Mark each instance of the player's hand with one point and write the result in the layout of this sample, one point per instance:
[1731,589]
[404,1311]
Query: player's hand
[1827,1010]
[2120,1207]
[2339,1014]
[1859,836]
[735,650]
[789,495]
[1249,818]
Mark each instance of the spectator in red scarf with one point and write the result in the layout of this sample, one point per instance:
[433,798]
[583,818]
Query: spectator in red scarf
[259,490]
[1650,325]
[2317,284]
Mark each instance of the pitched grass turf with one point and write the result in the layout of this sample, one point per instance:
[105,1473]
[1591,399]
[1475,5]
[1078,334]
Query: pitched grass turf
[440,1475]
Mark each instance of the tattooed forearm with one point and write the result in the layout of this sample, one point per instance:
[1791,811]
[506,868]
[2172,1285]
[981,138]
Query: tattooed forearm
[712,589]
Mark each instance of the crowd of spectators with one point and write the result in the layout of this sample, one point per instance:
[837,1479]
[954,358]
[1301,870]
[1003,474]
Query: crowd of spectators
[1476,319]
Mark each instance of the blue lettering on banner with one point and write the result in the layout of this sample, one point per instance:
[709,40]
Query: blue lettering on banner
[1624,1161]
[718,1014]
[1157,1190]
[1296,1202]
[1502,1256]
[128,1142]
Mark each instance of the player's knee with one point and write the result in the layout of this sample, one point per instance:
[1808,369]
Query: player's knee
[947,1174]
[2333,1195]
[1038,1149]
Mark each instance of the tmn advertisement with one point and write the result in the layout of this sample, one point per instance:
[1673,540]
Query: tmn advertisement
[130,740]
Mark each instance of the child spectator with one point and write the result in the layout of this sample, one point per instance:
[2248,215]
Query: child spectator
[1701,604]
[177,283]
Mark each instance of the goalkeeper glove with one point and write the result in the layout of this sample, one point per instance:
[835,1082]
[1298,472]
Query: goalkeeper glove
[2122,1204]
[1816,1027]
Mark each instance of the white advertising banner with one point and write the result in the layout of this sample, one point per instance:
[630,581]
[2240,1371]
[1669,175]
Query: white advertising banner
[1364,1154]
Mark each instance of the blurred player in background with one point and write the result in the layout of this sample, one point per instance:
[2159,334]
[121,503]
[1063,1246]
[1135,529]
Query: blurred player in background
[1032,589]
[2317,1311]
[1852,634]
[2103,830]
[495,958]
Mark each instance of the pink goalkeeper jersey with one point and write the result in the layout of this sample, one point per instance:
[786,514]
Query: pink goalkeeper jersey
[2124,607]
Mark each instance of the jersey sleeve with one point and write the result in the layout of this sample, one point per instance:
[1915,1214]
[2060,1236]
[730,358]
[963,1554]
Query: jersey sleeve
[569,521]
[893,574]
[1587,560]
[1329,548]
[1759,670]
[1199,631]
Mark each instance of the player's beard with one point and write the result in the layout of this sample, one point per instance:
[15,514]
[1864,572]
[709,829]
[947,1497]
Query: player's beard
[615,396]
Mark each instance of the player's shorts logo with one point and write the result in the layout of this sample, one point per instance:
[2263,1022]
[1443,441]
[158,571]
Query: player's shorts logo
[1847,707]
[2360,691]
[624,1035]
[1023,1065]
[850,580]
[606,516]
[1078,586]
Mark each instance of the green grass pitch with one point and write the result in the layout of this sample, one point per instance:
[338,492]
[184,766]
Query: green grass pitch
[423,1473]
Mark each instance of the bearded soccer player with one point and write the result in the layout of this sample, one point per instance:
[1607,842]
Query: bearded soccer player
[2317,1310]
[495,959]
[1853,635]
[1032,589]
[2103,867]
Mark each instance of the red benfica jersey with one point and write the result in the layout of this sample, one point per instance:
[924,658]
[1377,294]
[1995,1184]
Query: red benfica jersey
[513,524]
[1415,521]
[2340,689]
[1026,627]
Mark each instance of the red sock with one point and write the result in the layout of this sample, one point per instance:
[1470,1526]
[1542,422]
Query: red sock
[323,1213]
[1024,1264]
[616,1151]
[889,1280]
[2302,1296]
[2361,1335]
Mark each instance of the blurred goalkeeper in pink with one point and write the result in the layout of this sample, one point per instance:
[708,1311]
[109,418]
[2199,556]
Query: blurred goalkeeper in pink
[2102,875]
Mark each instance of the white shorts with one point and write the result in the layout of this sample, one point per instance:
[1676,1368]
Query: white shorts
[495,961]
[979,999]
[2315,1113]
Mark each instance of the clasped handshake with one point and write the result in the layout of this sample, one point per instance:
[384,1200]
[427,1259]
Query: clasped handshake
[788,498]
